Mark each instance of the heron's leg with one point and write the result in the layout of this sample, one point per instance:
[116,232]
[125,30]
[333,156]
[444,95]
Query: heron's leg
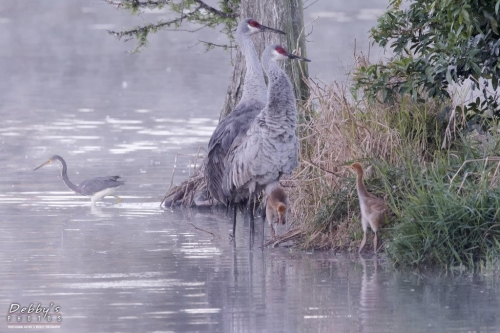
[375,243]
[118,199]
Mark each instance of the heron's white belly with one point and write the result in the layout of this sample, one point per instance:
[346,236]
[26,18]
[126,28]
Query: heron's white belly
[102,194]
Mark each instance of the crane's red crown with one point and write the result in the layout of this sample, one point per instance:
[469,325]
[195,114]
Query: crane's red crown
[281,50]
[254,23]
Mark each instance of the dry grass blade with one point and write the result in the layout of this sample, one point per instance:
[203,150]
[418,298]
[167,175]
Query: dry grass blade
[338,128]
[189,192]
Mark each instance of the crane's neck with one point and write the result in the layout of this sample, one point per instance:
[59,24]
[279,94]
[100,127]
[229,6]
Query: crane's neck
[280,95]
[64,175]
[254,89]
[360,186]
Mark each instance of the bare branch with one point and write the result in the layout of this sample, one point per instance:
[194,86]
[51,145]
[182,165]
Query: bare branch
[141,32]
[210,45]
[137,3]
[214,10]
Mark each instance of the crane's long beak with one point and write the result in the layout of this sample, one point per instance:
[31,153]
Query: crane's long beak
[263,28]
[293,56]
[38,167]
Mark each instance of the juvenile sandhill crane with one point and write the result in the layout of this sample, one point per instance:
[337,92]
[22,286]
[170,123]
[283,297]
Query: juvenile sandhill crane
[276,206]
[252,101]
[258,157]
[374,211]
[95,188]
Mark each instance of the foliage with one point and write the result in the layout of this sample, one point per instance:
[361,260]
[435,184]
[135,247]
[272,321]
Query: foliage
[445,201]
[341,129]
[436,44]
[451,214]
[191,11]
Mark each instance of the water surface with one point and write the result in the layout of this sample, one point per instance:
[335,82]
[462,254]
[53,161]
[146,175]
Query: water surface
[68,88]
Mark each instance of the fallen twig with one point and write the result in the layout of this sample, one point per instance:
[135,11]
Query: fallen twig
[208,232]
[289,235]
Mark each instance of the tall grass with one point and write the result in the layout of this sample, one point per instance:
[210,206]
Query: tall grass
[451,214]
[342,129]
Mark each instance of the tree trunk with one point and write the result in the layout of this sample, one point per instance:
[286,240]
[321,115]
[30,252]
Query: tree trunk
[286,15]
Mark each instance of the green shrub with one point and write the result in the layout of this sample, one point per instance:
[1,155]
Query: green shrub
[450,216]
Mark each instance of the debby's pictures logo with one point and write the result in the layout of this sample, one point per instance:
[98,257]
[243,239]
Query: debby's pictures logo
[34,316]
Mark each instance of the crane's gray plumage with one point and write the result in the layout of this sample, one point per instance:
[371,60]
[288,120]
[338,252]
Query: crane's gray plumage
[95,188]
[253,100]
[257,158]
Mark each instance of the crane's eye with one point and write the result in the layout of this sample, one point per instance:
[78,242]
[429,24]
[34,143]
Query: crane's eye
[281,50]
[254,23]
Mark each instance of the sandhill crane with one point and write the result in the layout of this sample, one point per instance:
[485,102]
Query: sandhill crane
[276,206]
[95,188]
[374,211]
[253,100]
[258,157]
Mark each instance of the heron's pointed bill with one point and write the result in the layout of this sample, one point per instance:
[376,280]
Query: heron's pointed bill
[263,28]
[44,164]
[293,56]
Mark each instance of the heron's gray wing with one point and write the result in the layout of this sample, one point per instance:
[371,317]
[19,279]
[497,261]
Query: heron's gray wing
[94,185]
[235,124]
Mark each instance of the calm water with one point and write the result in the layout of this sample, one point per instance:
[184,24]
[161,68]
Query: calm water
[68,88]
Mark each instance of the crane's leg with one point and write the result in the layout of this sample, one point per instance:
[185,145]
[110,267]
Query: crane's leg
[362,242]
[252,220]
[375,243]
[263,228]
[273,233]
[364,225]
[234,220]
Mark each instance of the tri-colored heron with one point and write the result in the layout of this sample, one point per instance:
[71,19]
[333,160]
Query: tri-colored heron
[95,188]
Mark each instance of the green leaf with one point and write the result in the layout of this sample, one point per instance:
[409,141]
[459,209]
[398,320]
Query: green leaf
[448,76]
[466,16]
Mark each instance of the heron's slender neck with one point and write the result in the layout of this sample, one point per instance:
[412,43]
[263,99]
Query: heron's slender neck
[64,174]
[254,88]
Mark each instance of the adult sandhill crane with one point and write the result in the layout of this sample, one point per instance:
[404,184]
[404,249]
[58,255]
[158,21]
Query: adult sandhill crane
[374,211]
[252,101]
[276,206]
[258,157]
[96,188]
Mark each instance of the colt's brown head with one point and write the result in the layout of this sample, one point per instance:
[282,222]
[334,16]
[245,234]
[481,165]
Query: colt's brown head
[281,213]
[357,168]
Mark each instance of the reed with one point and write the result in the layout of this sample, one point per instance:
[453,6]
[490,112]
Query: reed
[442,188]
[343,127]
